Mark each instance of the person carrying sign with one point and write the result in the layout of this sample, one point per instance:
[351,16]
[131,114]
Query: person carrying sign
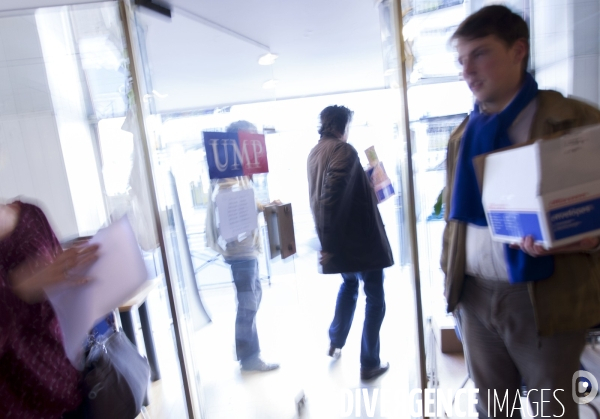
[240,251]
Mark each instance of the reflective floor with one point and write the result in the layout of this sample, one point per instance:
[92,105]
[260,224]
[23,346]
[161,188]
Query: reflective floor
[297,338]
[293,320]
[292,323]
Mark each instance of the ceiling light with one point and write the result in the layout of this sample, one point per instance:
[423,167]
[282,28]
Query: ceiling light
[267,59]
[271,84]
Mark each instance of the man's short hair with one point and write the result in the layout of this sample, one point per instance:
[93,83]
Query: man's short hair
[495,20]
[241,125]
[334,120]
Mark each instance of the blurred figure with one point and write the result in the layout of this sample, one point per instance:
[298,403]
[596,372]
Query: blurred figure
[37,381]
[521,308]
[241,255]
[353,239]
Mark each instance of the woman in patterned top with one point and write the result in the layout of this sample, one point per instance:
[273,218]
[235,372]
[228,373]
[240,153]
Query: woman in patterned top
[37,381]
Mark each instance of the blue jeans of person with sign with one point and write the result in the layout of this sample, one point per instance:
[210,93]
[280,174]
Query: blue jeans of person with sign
[374,314]
[249,294]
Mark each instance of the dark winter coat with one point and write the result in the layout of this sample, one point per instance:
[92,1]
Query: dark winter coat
[345,210]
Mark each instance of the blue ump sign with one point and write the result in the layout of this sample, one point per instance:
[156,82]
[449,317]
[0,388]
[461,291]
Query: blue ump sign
[232,154]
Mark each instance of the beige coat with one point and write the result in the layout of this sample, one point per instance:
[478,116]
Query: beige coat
[568,300]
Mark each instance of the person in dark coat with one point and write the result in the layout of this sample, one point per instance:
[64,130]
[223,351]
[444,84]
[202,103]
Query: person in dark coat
[352,235]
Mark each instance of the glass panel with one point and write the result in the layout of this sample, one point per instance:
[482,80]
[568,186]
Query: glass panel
[67,144]
[432,72]
[391,34]
[187,194]
[220,83]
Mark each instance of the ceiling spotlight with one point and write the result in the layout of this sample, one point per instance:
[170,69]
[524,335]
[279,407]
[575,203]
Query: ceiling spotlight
[267,59]
[271,84]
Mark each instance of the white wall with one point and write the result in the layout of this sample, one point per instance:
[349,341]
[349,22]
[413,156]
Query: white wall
[586,50]
[566,41]
[47,152]
[31,161]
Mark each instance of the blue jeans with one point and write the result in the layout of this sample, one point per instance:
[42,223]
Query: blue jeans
[249,294]
[374,314]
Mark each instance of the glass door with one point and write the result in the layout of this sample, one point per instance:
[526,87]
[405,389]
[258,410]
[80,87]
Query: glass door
[217,287]
[274,68]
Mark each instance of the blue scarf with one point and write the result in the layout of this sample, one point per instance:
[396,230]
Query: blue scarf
[483,134]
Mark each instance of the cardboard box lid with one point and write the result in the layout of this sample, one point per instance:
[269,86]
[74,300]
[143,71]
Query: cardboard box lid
[542,167]
[571,160]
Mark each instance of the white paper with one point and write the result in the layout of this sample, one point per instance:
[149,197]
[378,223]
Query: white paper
[237,213]
[115,277]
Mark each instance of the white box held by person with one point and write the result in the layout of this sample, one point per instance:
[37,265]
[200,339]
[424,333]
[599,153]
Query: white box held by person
[549,189]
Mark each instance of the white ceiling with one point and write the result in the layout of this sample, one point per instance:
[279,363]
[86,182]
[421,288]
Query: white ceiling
[8,5]
[324,47]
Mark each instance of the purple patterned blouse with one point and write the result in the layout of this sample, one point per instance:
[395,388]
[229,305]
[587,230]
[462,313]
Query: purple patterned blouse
[37,380]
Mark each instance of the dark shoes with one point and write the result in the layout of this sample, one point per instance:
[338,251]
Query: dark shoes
[258,365]
[334,352]
[372,373]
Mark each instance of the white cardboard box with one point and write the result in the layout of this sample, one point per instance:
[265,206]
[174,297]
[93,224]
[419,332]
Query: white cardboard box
[549,189]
